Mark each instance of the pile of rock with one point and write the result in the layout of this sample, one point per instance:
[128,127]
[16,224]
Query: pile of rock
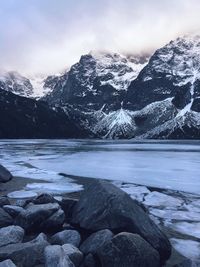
[105,227]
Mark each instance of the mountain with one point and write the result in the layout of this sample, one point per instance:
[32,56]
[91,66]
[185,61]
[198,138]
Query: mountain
[97,79]
[13,82]
[115,97]
[22,117]
[108,95]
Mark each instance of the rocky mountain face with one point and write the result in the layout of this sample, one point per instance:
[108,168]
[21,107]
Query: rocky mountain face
[96,80]
[117,97]
[114,96]
[22,117]
[14,82]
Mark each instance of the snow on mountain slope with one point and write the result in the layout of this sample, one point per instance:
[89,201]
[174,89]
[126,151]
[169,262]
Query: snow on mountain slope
[179,61]
[97,79]
[14,82]
[183,127]
[117,70]
[124,123]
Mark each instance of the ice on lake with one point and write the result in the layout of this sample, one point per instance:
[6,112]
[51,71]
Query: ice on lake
[163,164]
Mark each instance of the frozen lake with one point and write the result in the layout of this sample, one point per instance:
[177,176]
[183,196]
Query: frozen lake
[165,164]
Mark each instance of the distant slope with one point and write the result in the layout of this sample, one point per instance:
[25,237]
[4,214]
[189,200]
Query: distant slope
[26,118]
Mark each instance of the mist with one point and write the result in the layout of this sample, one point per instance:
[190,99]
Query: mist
[47,36]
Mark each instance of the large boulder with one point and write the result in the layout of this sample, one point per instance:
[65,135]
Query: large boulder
[66,237]
[36,217]
[11,235]
[55,256]
[27,254]
[95,241]
[5,175]
[104,206]
[7,263]
[126,249]
[75,255]
[5,218]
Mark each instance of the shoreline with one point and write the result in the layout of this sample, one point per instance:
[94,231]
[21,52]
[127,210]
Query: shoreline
[19,183]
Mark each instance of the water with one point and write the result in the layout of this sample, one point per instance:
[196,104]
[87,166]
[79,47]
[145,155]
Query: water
[164,164]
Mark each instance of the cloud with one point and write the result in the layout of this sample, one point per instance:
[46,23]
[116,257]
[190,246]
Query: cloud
[45,36]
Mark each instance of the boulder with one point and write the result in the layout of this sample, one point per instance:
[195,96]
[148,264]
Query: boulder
[66,237]
[27,254]
[7,263]
[90,261]
[13,210]
[44,198]
[11,235]
[104,206]
[54,222]
[126,249]
[75,255]
[67,204]
[4,201]
[33,217]
[55,256]
[22,202]
[5,218]
[95,241]
[5,175]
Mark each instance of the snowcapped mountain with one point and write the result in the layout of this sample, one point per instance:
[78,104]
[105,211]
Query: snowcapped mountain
[14,82]
[113,96]
[163,101]
[97,79]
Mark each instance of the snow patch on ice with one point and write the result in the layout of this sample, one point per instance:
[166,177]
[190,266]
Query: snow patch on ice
[191,229]
[157,199]
[188,248]
[22,194]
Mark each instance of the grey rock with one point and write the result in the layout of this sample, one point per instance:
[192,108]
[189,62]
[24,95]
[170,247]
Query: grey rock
[33,216]
[54,222]
[5,218]
[126,249]
[66,237]
[7,263]
[44,198]
[13,210]
[5,175]
[11,235]
[4,201]
[21,203]
[67,204]
[90,261]
[27,254]
[55,256]
[104,206]
[188,263]
[75,255]
[95,241]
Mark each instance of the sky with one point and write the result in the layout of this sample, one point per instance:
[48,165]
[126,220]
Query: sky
[48,36]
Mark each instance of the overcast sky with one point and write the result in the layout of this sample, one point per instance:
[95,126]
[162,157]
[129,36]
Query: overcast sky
[45,36]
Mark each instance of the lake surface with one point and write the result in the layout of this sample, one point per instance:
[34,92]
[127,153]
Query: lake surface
[164,164]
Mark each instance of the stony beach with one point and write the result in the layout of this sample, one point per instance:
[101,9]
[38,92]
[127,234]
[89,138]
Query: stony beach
[104,224]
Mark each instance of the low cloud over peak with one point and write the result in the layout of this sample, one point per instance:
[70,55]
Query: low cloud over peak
[49,35]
